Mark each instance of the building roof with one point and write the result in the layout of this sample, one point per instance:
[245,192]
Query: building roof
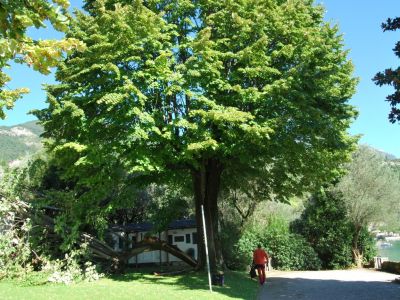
[147,226]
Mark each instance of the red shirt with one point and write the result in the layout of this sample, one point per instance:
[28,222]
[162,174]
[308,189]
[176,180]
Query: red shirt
[260,257]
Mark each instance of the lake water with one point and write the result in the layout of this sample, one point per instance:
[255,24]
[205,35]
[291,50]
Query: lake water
[392,252]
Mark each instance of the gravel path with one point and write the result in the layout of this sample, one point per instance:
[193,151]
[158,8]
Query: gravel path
[330,285]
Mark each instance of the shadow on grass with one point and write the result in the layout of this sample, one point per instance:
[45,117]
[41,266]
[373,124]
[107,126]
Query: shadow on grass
[237,284]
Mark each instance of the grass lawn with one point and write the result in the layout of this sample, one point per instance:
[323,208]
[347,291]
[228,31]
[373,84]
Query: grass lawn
[137,285]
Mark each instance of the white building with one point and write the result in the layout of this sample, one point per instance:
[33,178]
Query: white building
[180,233]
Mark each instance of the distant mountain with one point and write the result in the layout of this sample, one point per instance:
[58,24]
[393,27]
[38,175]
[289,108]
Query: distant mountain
[384,155]
[19,141]
[388,156]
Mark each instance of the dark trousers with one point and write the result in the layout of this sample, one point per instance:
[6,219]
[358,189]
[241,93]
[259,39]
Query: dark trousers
[261,273]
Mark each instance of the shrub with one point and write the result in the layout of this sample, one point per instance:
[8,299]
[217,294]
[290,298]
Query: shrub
[325,226]
[367,245]
[15,252]
[288,251]
[73,268]
[69,270]
[17,256]
[230,235]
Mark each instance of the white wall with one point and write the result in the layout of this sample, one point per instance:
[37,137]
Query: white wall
[154,256]
[182,245]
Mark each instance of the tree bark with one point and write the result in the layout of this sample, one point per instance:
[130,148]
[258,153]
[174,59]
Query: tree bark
[357,254]
[206,184]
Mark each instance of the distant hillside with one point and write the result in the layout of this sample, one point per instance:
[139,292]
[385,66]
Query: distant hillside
[384,155]
[19,141]
[387,156]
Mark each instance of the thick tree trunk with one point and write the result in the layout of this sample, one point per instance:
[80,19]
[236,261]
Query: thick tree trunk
[206,183]
[357,254]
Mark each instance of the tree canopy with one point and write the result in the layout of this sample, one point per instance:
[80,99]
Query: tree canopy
[369,188]
[370,191]
[208,92]
[391,76]
[16,16]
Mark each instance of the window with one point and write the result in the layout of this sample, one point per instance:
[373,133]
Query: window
[194,235]
[170,239]
[187,238]
[179,238]
[191,252]
[120,242]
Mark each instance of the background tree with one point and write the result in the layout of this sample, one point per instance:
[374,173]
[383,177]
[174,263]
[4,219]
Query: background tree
[324,224]
[206,92]
[391,76]
[370,191]
[15,17]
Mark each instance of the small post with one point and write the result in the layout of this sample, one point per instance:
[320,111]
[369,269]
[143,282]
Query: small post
[205,242]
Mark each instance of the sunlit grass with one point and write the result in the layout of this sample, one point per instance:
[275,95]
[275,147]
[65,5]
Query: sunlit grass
[137,285]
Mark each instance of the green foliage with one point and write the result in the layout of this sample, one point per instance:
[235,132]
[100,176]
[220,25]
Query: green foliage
[206,90]
[15,250]
[15,227]
[230,235]
[370,189]
[324,224]
[25,260]
[15,17]
[367,245]
[38,183]
[74,267]
[139,284]
[391,76]
[288,251]
[370,193]
[22,182]
[167,204]
[238,214]
[164,86]
[25,245]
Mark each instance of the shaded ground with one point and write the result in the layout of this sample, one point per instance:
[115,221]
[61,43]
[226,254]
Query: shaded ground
[330,285]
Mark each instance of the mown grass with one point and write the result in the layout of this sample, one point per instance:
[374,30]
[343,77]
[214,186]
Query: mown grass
[137,285]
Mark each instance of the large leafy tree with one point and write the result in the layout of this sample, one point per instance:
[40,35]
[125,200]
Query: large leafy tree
[370,191]
[391,76]
[15,17]
[208,92]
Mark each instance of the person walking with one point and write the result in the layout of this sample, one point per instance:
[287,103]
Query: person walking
[260,258]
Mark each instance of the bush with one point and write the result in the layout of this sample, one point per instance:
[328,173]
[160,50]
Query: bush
[15,252]
[17,257]
[291,252]
[70,269]
[288,251]
[230,235]
[325,226]
[367,245]
[27,252]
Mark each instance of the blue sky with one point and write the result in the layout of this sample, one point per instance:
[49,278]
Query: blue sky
[370,51]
